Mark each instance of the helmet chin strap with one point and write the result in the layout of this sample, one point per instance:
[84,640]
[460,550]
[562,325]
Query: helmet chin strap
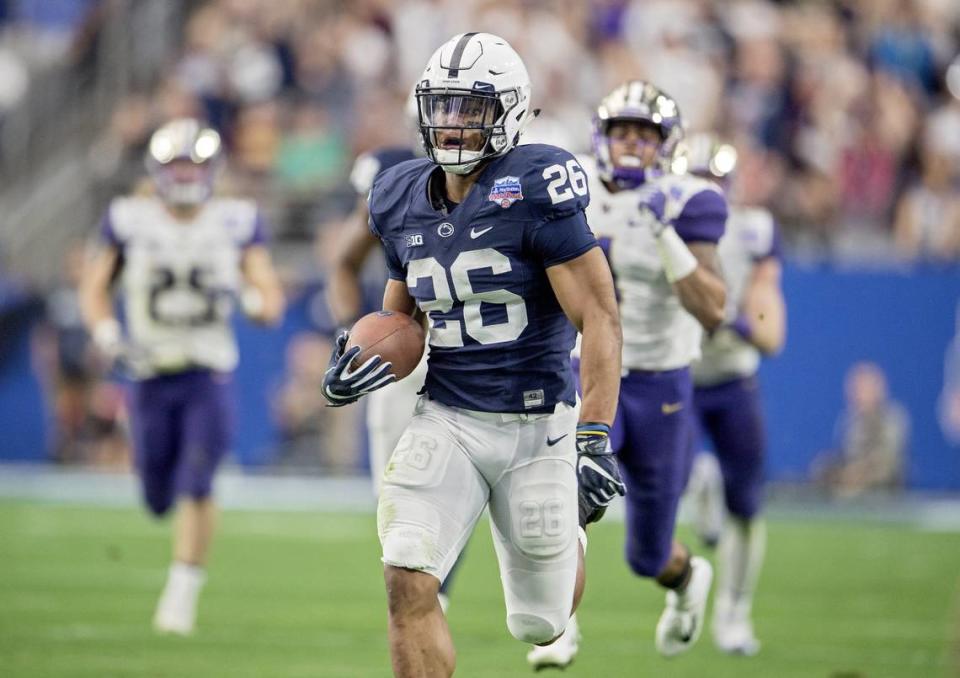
[467,165]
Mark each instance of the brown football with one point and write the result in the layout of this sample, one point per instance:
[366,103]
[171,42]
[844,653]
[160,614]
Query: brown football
[395,337]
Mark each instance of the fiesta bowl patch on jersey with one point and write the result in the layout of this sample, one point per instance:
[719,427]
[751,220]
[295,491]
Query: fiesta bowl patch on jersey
[505,191]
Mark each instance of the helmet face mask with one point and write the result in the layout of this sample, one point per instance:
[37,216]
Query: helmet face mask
[472,101]
[646,106]
[183,158]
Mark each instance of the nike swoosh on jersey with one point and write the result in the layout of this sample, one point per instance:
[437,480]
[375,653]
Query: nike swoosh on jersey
[474,233]
[671,408]
[553,441]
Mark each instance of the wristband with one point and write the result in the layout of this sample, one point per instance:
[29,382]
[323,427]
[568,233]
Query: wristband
[593,428]
[106,333]
[251,301]
[678,260]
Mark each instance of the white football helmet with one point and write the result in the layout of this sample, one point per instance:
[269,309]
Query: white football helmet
[705,155]
[473,100]
[184,139]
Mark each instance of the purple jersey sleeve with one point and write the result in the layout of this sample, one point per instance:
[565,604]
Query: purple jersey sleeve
[108,234]
[703,218]
[776,245]
[258,235]
[558,240]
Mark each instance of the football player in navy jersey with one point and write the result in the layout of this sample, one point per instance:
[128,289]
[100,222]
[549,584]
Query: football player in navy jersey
[490,241]
[388,409]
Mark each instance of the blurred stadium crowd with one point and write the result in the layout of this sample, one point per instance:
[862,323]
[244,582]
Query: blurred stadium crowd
[845,113]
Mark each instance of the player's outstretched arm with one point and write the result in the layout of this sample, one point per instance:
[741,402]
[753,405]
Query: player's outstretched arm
[263,301]
[584,288]
[343,288]
[702,291]
[764,310]
[96,300]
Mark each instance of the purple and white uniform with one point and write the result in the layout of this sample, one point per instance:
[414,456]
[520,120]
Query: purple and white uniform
[178,283]
[727,397]
[653,430]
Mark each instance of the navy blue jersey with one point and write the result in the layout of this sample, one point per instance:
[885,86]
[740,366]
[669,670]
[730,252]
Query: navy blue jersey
[368,165]
[499,340]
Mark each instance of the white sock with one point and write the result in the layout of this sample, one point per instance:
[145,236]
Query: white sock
[187,578]
[705,488]
[740,558]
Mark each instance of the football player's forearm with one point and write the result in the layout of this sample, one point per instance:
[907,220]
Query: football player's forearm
[343,294]
[94,296]
[703,294]
[266,303]
[764,309]
[766,318]
[273,301]
[600,360]
[95,306]
[396,298]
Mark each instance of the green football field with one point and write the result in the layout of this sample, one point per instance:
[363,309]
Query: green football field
[300,594]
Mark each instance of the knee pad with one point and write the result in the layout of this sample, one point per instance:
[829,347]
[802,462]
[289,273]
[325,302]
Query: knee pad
[536,628]
[545,528]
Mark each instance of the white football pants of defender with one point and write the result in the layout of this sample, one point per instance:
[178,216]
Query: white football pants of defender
[449,465]
[388,412]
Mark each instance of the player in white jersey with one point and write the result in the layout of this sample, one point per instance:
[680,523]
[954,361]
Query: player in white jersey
[727,398]
[660,233]
[180,258]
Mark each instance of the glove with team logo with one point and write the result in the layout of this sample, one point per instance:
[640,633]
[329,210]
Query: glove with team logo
[598,473]
[653,207]
[343,385]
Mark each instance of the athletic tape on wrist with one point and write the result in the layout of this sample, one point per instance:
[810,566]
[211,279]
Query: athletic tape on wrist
[678,260]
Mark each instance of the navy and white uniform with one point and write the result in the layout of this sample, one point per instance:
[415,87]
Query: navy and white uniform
[497,422]
[653,431]
[727,396]
[388,409]
[177,284]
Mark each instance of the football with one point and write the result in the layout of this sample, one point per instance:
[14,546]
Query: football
[395,337]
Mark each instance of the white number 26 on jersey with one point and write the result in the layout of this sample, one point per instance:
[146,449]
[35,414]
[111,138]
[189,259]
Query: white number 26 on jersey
[449,333]
[562,188]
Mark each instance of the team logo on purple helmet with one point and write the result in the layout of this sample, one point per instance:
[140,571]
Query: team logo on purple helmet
[506,191]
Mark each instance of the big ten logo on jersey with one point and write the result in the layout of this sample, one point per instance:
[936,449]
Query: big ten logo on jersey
[565,181]
[415,240]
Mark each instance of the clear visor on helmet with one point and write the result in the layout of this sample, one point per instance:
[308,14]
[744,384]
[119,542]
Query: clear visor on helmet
[458,120]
